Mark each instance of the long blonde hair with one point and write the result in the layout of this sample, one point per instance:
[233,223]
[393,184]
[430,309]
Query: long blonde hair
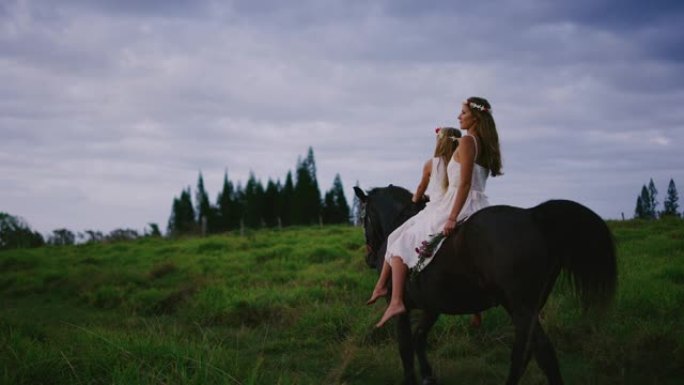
[485,129]
[445,147]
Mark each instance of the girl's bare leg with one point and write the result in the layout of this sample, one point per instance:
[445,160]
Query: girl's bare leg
[396,305]
[380,289]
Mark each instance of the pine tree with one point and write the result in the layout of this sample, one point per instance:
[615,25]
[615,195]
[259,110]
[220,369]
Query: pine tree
[299,194]
[335,207]
[653,204]
[646,203]
[271,202]
[239,204]
[286,197]
[307,195]
[183,220]
[171,227]
[254,199]
[341,201]
[204,210]
[187,211]
[311,165]
[226,206]
[313,202]
[329,208]
[639,212]
[671,205]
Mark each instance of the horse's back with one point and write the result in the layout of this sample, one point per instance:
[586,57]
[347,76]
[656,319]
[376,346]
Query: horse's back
[508,248]
[484,263]
[536,244]
[556,221]
[503,239]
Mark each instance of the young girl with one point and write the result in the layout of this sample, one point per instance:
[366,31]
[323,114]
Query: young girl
[433,184]
[477,157]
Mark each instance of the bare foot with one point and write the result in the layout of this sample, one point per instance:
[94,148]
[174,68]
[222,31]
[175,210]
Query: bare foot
[392,310]
[377,293]
[476,321]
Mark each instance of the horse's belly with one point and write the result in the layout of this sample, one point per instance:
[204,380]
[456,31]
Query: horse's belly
[455,296]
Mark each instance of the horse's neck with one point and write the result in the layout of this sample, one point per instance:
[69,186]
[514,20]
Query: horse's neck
[387,226]
[392,216]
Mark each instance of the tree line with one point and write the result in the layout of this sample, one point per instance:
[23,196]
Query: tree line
[16,233]
[647,202]
[296,201]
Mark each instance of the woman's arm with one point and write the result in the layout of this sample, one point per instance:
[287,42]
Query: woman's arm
[424,181]
[466,158]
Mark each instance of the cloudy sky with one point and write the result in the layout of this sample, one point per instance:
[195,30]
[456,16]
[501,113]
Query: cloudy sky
[109,108]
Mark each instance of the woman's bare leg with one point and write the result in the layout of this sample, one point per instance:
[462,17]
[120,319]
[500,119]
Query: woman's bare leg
[396,305]
[380,289]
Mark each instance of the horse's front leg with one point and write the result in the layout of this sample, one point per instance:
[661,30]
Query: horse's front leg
[406,350]
[420,341]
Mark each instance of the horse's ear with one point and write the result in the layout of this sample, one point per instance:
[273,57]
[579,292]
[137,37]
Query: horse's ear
[359,193]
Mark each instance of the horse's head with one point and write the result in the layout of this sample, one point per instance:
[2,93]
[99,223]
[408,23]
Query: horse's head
[384,209]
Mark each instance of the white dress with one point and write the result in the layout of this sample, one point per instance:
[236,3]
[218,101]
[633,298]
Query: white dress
[435,190]
[403,241]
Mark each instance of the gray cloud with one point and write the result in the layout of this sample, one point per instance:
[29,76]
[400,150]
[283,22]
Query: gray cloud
[618,14]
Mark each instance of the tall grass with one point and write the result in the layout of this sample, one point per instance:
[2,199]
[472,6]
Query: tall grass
[286,307]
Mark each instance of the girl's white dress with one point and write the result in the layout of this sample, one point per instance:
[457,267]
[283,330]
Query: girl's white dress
[435,190]
[403,241]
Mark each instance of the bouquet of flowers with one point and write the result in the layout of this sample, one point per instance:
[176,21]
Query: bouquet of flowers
[425,251]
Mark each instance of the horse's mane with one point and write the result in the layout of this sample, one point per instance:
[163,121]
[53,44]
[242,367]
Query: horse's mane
[395,193]
[400,199]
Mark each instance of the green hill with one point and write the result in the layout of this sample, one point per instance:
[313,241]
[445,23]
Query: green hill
[287,307]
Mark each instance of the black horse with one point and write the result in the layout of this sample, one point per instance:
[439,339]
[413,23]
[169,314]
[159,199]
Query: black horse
[502,255]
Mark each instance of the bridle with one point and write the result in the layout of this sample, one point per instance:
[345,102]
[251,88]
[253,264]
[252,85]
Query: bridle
[371,251]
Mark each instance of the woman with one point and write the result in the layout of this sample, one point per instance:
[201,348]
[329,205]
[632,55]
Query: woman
[477,157]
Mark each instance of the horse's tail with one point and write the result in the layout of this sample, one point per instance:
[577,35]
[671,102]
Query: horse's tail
[585,246]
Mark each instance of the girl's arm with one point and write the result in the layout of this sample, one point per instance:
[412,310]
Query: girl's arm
[466,158]
[424,181]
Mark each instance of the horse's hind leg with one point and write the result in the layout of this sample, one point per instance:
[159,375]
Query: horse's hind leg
[522,352]
[406,350]
[420,341]
[545,355]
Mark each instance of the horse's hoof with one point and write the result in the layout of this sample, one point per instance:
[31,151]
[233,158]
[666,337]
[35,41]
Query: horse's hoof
[429,381]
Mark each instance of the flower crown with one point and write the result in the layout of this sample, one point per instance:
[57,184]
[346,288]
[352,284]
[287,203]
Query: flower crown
[441,134]
[480,107]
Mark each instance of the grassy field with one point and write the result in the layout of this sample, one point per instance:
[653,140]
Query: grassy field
[287,307]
